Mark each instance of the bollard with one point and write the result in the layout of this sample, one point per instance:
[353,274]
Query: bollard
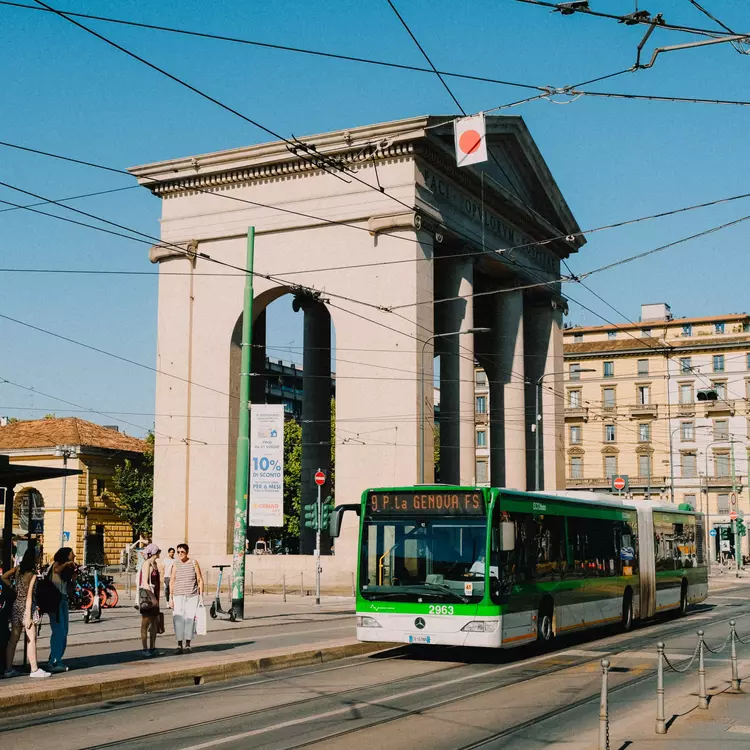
[354,590]
[702,697]
[603,712]
[283,586]
[735,673]
[661,725]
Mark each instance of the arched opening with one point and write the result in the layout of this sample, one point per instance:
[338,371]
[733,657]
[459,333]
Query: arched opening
[28,518]
[290,365]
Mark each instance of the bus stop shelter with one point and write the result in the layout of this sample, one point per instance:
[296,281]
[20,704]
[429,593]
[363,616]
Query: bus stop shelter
[12,474]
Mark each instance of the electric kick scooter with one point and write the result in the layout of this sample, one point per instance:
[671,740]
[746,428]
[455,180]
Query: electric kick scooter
[216,610]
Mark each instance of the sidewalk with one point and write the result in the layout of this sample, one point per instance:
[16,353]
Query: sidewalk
[105,657]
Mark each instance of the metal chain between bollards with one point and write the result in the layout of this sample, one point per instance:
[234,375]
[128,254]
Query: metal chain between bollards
[722,647]
[690,664]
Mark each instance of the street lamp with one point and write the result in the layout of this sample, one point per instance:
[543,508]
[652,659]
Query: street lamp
[65,452]
[538,415]
[421,388]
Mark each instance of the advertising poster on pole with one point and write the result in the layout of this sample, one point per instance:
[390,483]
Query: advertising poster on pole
[266,501]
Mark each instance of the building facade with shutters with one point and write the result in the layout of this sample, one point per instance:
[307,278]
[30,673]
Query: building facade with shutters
[634,406]
[80,504]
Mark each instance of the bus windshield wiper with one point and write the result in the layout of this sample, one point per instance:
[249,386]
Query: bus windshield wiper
[446,590]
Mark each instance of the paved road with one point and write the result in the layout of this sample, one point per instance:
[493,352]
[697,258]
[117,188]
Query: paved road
[436,698]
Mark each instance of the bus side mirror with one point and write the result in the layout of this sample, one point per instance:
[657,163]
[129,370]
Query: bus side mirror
[334,522]
[507,537]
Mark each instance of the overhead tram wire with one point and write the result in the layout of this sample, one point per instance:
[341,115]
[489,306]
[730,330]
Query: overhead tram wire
[280,47]
[624,18]
[72,198]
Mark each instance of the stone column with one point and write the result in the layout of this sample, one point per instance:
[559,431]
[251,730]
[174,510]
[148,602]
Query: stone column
[507,393]
[316,408]
[553,404]
[543,356]
[457,454]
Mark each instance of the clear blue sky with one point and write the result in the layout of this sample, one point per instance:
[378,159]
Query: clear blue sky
[67,92]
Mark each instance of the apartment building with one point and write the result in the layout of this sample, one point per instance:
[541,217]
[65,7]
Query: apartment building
[639,402]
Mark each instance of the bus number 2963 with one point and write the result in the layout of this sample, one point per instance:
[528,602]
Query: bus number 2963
[441,609]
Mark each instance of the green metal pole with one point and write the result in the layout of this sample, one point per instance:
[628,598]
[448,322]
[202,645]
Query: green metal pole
[737,539]
[243,441]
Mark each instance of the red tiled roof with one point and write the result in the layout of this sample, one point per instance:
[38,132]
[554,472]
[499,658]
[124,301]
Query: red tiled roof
[657,323]
[46,433]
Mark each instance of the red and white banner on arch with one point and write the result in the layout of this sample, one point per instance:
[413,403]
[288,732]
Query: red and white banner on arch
[471,143]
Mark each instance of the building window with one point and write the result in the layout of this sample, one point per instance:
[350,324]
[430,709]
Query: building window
[686,365]
[718,328]
[644,466]
[723,501]
[687,329]
[690,500]
[101,486]
[718,363]
[577,338]
[686,393]
[643,367]
[611,335]
[481,404]
[748,361]
[609,369]
[609,433]
[610,466]
[575,434]
[721,465]
[480,377]
[576,467]
[688,465]
[721,429]
[642,393]
[646,333]
[575,372]
[721,390]
[574,399]
[481,472]
[608,398]
[481,439]
[687,431]
[644,432]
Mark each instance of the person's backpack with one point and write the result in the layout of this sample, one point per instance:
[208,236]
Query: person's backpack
[48,596]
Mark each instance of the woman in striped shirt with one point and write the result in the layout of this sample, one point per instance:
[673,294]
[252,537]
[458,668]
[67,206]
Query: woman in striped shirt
[185,594]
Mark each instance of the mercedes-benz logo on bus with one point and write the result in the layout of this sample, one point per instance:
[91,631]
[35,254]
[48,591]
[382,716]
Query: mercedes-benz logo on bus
[419,622]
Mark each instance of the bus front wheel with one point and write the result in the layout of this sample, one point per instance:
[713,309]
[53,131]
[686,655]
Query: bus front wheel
[544,625]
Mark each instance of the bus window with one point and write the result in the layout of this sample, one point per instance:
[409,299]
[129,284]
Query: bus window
[593,548]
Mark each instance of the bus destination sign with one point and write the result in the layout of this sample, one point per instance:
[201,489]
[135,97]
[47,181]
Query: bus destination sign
[426,503]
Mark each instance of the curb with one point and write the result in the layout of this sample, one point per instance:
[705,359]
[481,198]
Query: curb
[115,685]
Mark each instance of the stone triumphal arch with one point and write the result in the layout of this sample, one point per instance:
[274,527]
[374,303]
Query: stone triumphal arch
[369,233]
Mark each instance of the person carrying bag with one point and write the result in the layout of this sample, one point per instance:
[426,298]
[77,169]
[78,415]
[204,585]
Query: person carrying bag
[186,598]
[149,586]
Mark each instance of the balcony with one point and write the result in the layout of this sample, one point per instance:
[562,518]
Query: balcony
[644,410]
[719,408]
[686,410]
[577,412]
[715,482]
[606,483]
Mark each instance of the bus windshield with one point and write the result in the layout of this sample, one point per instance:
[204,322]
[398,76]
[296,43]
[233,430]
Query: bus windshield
[423,559]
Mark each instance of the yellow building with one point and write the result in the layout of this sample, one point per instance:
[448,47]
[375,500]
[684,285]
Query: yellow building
[633,407]
[90,520]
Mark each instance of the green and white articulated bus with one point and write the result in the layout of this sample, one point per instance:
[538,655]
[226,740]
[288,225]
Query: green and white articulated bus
[498,568]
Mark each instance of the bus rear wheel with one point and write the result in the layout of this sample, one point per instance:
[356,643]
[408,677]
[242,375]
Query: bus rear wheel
[544,625]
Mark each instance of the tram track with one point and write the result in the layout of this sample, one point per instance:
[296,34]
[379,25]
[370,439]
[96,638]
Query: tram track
[630,641]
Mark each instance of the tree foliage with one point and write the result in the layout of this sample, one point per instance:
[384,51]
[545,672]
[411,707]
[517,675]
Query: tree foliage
[132,494]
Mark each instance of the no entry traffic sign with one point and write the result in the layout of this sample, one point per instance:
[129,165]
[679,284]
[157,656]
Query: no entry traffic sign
[320,478]
[619,483]
[733,515]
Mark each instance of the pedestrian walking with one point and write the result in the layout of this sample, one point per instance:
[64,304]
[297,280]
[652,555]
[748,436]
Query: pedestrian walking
[25,615]
[149,587]
[187,591]
[168,571]
[62,573]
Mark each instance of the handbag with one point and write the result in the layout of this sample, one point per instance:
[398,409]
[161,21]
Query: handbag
[201,621]
[148,604]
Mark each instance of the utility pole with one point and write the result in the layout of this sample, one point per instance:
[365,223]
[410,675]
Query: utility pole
[241,488]
[319,519]
[737,538]
[64,451]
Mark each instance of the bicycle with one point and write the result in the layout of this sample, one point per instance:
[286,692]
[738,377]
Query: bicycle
[216,610]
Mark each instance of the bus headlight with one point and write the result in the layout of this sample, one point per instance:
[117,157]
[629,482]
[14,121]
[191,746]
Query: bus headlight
[480,626]
[367,622]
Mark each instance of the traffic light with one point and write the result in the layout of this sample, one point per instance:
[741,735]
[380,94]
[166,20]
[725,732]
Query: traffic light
[741,530]
[326,510]
[311,516]
[724,532]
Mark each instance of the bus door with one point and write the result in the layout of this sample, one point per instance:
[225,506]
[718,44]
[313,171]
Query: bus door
[646,563]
